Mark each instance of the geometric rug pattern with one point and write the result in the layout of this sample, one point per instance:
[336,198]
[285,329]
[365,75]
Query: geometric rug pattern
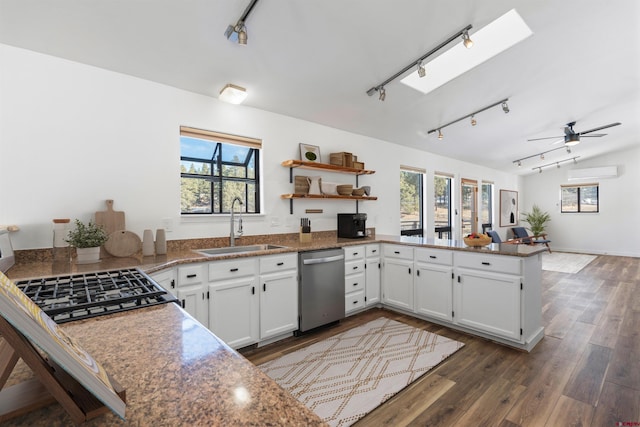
[565,262]
[344,377]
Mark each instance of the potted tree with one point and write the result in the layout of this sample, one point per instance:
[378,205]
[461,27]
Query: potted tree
[537,220]
[87,239]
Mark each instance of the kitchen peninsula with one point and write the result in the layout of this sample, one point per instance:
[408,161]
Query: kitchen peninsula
[176,372]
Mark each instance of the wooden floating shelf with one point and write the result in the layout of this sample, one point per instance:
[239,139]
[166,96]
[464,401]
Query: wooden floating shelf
[325,166]
[325,196]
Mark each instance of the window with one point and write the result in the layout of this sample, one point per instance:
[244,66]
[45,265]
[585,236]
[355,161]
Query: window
[442,206]
[486,209]
[579,198]
[469,203]
[411,201]
[215,168]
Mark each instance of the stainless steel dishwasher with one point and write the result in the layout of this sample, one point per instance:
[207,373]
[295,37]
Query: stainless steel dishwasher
[321,287]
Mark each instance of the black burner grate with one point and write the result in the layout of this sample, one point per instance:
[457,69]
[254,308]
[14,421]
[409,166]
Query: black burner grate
[84,295]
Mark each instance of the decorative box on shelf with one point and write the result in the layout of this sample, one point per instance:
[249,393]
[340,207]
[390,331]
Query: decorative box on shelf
[341,159]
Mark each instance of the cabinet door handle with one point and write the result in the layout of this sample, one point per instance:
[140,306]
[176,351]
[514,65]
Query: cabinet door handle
[433,256]
[409,270]
[396,252]
[355,268]
[264,287]
[373,251]
[355,302]
[173,283]
[191,276]
[486,263]
[253,290]
[183,303]
[355,284]
[233,269]
[280,263]
[355,253]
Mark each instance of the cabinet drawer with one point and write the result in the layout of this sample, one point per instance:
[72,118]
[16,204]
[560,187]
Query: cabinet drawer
[494,263]
[353,267]
[190,275]
[222,270]
[354,301]
[434,256]
[271,263]
[397,251]
[353,252]
[372,251]
[354,282]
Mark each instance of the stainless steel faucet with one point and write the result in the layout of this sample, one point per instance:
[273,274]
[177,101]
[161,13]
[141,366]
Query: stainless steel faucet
[233,234]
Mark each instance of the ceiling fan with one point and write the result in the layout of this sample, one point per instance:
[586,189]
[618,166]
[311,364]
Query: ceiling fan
[572,137]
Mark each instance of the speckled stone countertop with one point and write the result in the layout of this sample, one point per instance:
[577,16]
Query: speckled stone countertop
[183,252]
[175,372]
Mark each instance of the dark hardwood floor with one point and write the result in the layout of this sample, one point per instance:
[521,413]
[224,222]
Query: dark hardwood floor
[585,372]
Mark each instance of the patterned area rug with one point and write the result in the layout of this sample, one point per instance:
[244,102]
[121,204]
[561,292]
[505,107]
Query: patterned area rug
[565,262]
[346,376]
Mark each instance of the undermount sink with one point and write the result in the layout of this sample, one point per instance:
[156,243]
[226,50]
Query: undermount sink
[237,249]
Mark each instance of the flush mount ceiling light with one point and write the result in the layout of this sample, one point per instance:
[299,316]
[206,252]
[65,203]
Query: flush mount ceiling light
[473,120]
[418,61]
[232,94]
[238,32]
[489,41]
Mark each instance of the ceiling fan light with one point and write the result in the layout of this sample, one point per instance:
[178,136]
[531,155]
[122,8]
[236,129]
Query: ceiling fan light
[572,139]
[232,94]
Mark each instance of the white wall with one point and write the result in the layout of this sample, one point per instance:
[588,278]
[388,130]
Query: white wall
[614,230]
[72,136]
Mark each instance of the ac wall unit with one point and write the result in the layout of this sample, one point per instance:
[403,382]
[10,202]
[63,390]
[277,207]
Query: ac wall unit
[593,173]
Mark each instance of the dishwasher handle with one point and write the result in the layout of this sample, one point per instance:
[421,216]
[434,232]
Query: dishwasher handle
[322,260]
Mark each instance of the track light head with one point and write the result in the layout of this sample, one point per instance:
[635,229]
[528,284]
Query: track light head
[440,135]
[568,150]
[505,107]
[539,170]
[382,93]
[473,121]
[541,156]
[519,163]
[242,34]
[468,43]
[421,70]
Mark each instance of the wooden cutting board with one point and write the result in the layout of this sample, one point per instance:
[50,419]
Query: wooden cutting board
[111,220]
[123,243]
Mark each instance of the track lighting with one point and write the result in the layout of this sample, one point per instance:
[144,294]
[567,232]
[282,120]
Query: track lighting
[519,163]
[472,116]
[557,164]
[569,150]
[421,70]
[440,135]
[383,93]
[468,43]
[238,32]
[505,107]
[418,62]
[541,155]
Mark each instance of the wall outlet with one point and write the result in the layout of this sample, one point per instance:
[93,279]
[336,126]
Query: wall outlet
[167,224]
[275,221]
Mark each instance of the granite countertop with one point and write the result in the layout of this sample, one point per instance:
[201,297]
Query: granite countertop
[186,255]
[175,372]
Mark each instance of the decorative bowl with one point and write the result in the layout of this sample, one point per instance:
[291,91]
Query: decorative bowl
[344,189]
[358,192]
[480,240]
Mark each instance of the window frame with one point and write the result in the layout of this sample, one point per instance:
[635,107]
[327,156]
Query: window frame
[419,231]
[578,188]
[448,229]
[216,178]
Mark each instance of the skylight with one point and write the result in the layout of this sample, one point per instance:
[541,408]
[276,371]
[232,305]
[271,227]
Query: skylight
[496,37]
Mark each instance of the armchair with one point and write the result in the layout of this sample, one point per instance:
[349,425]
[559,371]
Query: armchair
[521,235]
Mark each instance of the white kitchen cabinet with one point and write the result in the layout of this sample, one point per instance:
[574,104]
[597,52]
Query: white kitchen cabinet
[354,279]
[167,279]
[191,291]
[234,301]
[234,312]
[278,295]
[372,275]
[488,294]
[397,276]
[434,283]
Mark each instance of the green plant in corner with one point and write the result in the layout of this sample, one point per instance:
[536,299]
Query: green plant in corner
[88,235]
[537,220]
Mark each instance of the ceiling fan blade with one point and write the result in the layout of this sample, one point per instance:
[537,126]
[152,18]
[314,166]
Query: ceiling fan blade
[600,128]
[595,135]
[548,137]
[558,141]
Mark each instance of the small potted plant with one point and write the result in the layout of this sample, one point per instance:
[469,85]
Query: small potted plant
[87,239]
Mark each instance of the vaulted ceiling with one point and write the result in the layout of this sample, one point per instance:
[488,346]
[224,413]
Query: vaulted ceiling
[315,60]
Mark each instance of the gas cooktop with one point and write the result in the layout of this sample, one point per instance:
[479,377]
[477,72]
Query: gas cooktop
[84,295]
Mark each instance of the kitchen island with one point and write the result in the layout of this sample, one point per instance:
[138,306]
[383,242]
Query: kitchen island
[175,372]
